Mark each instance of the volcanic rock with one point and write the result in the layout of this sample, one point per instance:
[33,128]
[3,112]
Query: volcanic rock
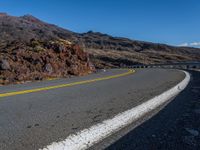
[27,62]
[32,49]
[4,65]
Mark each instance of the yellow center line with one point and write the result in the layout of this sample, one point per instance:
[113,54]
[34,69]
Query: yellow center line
[65,85]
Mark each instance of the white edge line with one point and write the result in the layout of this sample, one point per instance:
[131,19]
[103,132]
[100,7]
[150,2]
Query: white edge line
[88,137]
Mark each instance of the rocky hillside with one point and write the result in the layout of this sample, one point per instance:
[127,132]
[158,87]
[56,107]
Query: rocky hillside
[31,49]
[27,27]
[39,60]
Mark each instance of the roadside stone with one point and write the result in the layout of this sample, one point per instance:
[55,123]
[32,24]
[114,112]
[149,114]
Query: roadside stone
[48,68]
[189,140]
[4,65]
[192,131]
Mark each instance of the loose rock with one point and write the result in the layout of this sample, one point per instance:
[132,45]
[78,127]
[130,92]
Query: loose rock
[4,65]
[192,131]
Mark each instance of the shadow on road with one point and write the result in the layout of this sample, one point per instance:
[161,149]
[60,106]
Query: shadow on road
[175,127]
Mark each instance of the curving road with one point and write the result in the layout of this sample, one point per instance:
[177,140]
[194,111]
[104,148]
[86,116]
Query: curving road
[34,115]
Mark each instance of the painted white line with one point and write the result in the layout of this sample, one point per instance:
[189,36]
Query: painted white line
[88,137]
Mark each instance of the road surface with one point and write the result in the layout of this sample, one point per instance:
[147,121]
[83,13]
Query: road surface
[34,115]
[176,127]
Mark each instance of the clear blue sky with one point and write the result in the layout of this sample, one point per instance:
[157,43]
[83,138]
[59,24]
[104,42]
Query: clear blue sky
[165,21]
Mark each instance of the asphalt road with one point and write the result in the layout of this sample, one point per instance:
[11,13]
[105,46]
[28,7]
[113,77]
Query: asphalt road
[175,127]
[36,119]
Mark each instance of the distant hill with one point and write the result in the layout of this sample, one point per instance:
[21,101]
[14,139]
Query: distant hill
[104,50]
[27,27]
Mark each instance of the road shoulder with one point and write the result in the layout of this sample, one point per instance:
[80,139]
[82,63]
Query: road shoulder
[174,127]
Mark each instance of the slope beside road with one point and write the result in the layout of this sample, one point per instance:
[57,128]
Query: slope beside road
[33,120]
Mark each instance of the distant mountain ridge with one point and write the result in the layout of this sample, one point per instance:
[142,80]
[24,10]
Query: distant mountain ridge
[27,27]
[104,50]
[111,51]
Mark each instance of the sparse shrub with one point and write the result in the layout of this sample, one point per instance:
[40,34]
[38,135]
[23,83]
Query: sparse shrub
[34,43]
[38,48]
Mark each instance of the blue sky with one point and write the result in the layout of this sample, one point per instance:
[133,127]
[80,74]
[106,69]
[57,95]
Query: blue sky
[174,22]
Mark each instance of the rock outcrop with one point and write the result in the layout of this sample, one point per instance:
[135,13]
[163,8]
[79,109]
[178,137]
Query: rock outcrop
[31,49]
[38,60]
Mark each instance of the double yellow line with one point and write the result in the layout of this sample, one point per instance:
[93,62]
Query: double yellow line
[65,85]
